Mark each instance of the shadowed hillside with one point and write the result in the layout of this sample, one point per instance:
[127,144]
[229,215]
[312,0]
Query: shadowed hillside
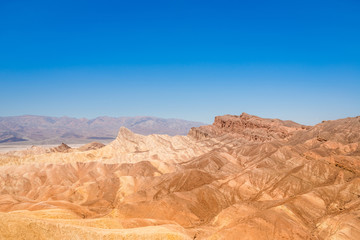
[243,177]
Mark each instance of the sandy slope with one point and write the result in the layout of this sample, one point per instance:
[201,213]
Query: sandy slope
[243,177]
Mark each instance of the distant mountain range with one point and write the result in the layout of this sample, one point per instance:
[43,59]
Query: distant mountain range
[48,130]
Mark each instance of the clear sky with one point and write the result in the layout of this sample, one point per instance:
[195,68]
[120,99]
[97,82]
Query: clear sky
[297,60]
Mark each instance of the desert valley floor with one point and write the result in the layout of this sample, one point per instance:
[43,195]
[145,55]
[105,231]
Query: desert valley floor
[243,177]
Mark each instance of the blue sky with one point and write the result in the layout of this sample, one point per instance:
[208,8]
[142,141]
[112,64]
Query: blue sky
[297,60]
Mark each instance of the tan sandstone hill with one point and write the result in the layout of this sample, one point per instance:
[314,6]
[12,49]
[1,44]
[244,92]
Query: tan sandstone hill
[244,177]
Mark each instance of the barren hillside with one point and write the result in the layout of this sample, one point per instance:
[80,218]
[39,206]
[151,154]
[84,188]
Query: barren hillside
[244,177]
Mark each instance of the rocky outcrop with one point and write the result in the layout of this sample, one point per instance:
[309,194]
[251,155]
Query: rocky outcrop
[248,127]
[242,177]
[61,148]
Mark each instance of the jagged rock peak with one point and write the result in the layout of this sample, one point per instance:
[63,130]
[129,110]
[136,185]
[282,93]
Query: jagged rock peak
[61,148]
[125,132]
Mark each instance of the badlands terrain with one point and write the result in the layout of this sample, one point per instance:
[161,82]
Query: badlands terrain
[243,177]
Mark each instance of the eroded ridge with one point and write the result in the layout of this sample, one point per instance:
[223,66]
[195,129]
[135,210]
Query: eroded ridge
[243,177]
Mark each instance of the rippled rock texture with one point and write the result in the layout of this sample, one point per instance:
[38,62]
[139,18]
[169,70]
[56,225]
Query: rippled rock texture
[243,177]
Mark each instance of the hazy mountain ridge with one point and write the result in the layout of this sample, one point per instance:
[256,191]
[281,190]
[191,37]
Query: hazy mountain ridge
[43,129]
